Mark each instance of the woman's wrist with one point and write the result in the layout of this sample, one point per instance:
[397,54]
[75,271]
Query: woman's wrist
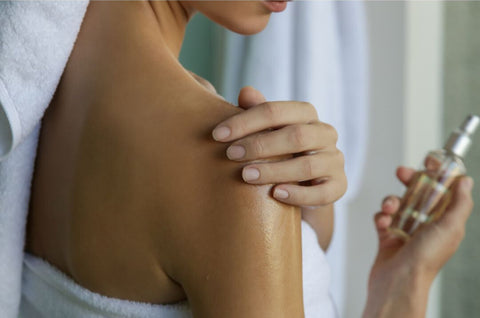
[398,293]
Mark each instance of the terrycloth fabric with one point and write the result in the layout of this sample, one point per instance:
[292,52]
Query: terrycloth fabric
[317,301]
[48,293]
[315,51]
[36,39]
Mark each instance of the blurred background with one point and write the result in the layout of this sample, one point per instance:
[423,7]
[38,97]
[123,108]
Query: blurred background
[421,78]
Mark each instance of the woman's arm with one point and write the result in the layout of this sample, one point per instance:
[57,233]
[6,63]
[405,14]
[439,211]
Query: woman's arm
[238,253]
[400,293]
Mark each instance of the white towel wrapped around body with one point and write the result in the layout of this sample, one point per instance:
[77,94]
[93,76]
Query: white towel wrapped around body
[36,39]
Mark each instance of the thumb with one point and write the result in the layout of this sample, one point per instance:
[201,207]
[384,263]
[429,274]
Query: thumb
[250,97]
[460,206]
[406,175]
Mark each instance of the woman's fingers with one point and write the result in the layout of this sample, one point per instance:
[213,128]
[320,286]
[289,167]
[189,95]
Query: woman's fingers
[405,174]
[324,169]
[264,116]
[383,219]
[292,129]
[382,222]
[390,204]
[321,165]
[310,196]
[287,140]
[250,97]
[388,242]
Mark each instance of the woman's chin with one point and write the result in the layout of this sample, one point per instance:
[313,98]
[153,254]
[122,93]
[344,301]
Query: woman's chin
[250,28]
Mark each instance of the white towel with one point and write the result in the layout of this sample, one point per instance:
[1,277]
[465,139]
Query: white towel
[315,51]
[49,293]
[36,39]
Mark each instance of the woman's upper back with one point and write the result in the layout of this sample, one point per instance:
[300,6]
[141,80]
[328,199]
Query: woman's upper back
[132,198]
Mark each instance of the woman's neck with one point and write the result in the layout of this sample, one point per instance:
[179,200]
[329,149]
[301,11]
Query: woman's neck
[172,18]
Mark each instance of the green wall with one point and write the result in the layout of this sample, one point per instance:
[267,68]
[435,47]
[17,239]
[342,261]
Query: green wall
[461,277]
[198,51]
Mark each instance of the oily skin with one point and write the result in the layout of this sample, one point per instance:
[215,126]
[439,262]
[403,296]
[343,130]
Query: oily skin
[134,200]
[321,218]
[244,17]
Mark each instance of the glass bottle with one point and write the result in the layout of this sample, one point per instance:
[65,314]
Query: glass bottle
[428,193]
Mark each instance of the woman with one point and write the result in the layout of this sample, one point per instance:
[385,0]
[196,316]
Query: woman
[133,199]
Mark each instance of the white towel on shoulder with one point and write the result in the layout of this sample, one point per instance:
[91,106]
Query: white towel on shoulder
[36,38]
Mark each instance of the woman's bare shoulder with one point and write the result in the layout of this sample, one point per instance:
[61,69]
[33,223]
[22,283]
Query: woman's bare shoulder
[222,240]
[147,205]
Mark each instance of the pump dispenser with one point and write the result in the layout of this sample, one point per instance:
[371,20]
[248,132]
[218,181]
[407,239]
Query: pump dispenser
[428,193]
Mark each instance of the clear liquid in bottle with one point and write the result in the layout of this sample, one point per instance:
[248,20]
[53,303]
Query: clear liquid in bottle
[428,193]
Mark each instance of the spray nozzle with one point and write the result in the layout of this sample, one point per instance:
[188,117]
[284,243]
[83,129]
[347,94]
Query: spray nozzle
[470,125]
[460,140]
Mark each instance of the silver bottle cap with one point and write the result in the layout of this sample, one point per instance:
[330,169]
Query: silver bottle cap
[460,140]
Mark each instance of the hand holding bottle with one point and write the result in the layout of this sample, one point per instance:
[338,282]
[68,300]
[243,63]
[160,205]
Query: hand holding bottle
[429,191]
[404,269]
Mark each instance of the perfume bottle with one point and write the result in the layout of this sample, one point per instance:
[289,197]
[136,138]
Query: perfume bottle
[428,193]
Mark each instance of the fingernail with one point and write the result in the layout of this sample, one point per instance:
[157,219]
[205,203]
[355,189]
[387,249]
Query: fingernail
[250,174]
[235,152]
[221,133]
[467,183]
[388,202]
[280,194]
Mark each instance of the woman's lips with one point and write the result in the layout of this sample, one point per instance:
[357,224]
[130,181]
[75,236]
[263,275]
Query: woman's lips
[275,6]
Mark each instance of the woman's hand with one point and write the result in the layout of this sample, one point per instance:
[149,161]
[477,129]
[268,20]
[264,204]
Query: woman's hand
[404,270]
[268,129]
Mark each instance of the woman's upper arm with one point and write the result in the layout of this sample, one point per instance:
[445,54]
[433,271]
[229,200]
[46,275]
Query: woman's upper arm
[235,250]
[236,254]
